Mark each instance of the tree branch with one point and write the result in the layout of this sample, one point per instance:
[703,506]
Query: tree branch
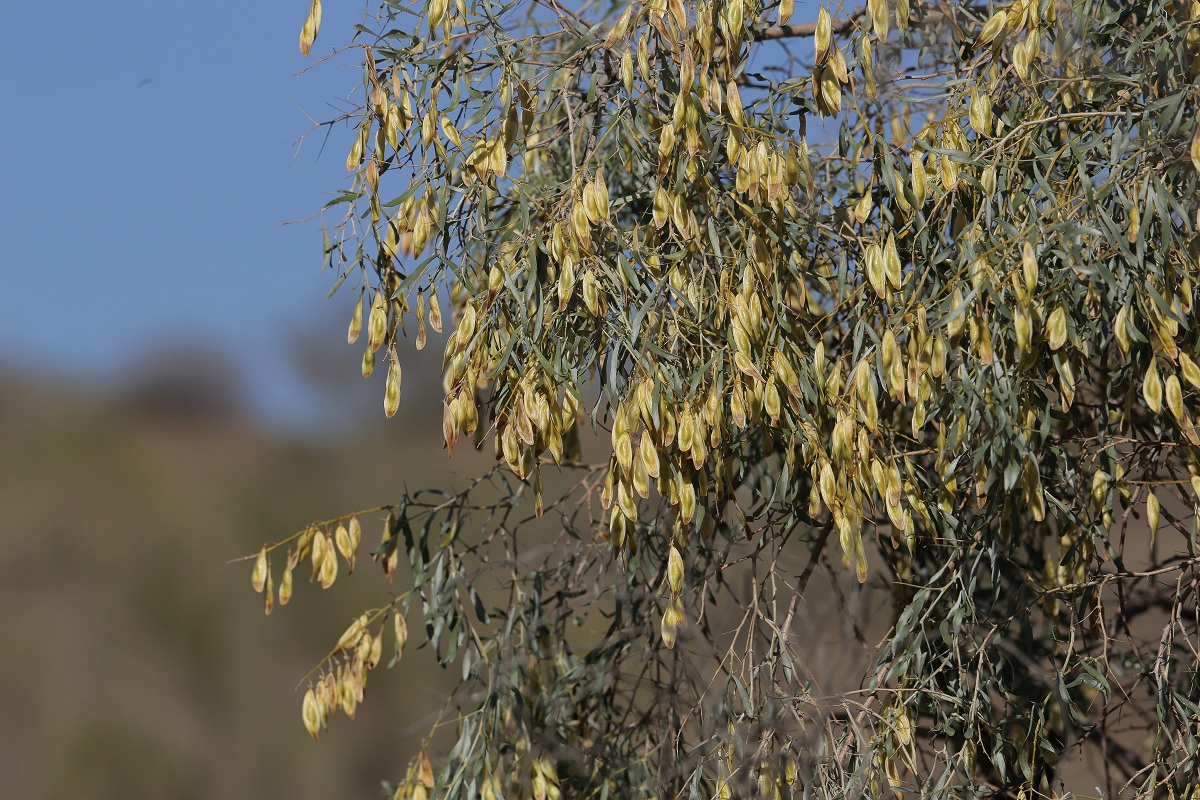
[843,26]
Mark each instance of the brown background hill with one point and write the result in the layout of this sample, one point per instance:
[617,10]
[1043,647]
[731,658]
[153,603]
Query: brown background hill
[137,661]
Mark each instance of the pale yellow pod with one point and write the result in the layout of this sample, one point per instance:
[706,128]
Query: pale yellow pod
[258,575]
[1191,372]
[1174,393]
[400,627]
[675,570]
[1023,327]
[920,182]
[1152,514]
[308,35]
[356,321]
[1056,328]
[1152,389]
[1121,331]
[891,261]
[878,11]
[391,393]
[992,28]
[285,585]
[733,101]
[824,34]
[1029,267]
[311,713]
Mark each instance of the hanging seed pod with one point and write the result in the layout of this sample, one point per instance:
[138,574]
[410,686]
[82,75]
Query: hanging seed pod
[920,182]
[391,393]
[1152,390]
[1174,394]
[356,321]
[400,627]
[259,574]
[824,35]
[377,323]
[285,584]
[675,570]
[1056,328]
[878,11]
[1152,514]
[891,261]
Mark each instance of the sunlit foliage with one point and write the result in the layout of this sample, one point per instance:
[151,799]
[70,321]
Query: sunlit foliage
[900,296]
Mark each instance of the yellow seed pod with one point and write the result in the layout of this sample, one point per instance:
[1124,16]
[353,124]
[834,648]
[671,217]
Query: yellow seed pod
[733,101]
[311,713]
[670,628]
[992,28]
[601,194]
[1056,328]
[626,502]
[391,393]
[675,570]
[891,261]
[875,270]
[591,293]
[1100,490]
[878,11]
[1152,514]
[1121,330]
[786,7]
[627,70]
[341,538]
[356,321]
[368,362]
[1022,326]
[623,448]
[1174,393]
[329,565]
[771,400]
[1152,390]
[377,323]
[919,180]
[1189,370]
[988,180]
[1029,268]
[437,12]
[285,585]
[258,576]
[980,113]
[824,35]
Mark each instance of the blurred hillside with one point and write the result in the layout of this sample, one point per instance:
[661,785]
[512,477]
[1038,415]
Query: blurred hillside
[138,660]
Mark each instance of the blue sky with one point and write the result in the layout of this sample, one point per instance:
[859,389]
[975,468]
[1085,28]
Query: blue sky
[148,161]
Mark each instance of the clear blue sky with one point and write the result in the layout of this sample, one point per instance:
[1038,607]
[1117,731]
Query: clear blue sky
[147,160]
[146,163]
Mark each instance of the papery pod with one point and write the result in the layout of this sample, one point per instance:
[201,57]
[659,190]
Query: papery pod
[1121,330]
[891,261]
[993,27]
[1029,269]
[377,323]
[355,321]
[285,583]
[786,7]
[391,394]
[258,575]
[877,10]
[823,36]
[1174,395]
[1152,389]
[1152,514]
[1056,328]
[919,181]
[1189,370]
[875,270]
